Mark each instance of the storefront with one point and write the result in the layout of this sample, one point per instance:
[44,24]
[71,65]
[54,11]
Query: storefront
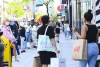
[79,7]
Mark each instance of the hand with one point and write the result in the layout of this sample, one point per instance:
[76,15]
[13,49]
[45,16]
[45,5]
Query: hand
[16,60]
[74,29]
[57,51]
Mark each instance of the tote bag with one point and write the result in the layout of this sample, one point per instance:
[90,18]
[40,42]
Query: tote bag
[44,43]
[79,51]
[36,62]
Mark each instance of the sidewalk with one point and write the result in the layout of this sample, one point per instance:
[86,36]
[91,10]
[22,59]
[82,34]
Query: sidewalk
[65,46]
[66,51]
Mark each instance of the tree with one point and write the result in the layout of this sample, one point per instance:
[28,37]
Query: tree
[26,1]
[15,10]
[54,18]
[46,3]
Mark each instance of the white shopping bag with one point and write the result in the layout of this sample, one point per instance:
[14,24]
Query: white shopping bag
[58,62]
[99,39]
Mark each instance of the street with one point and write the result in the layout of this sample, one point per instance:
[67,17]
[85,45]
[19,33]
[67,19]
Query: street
[65,47]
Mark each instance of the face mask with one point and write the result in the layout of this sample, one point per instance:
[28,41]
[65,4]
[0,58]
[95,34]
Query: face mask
[7,23]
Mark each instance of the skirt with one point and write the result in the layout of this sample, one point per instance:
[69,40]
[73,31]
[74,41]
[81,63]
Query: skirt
[45,56]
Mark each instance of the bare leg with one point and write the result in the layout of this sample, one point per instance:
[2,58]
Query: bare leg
[44,65]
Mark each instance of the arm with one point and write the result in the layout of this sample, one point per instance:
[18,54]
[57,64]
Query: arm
[54,43]
[5,33]
[83,32]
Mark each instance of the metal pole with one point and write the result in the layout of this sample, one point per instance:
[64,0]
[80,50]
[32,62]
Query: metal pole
[79,15]
[76,14]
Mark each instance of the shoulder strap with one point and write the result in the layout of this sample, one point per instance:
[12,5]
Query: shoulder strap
[46,30]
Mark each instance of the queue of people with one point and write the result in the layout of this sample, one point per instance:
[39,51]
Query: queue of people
[19,35]
[31,34]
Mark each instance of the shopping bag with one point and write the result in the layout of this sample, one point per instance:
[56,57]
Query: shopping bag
[58,62]
[97,63]
[36,62]
[79,51]
[44,43]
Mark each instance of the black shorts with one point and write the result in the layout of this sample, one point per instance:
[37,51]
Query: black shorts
[45,56]
[57,31]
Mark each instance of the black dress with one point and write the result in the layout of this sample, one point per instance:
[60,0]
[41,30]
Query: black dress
[46,55]
[57,30]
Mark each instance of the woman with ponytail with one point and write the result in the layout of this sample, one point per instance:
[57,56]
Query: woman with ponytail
[89,32]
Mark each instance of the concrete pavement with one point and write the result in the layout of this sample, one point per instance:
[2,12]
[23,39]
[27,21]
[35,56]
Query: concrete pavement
[65,46]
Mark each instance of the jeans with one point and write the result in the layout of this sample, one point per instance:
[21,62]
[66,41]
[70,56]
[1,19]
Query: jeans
[23,46]
[28,37]
[1,61]
[17,48]
[93,52]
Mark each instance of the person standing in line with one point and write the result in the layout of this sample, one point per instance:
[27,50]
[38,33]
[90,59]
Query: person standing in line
[15,33]
[45,56]
[1,50]
[22,38]
[9,35]
[90,33]
[65,29]
[28,36]
[68,32]
[34,35]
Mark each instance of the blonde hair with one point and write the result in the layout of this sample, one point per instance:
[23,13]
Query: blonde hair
[4,21]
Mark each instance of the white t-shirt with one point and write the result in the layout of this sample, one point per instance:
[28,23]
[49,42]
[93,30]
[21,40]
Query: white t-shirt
[28,28]
[34,28]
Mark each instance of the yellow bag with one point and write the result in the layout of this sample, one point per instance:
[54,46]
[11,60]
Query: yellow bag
[7,51]
[5,41]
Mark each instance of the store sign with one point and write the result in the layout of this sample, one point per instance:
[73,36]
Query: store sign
[60,7]
[39,3]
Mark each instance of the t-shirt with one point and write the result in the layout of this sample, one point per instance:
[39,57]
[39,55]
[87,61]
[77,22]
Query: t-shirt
[28,28]
[50,31]
[22,32]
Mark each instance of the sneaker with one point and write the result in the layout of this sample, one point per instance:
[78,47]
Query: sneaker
[58,41]
[24,51]
[35,46]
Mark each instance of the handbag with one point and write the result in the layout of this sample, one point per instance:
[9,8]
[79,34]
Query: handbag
[36,62]
[79,51]
[44,43]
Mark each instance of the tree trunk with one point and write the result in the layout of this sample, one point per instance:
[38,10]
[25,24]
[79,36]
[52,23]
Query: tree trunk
[47,9]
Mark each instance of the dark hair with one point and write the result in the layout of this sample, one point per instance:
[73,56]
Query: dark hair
[17,24]
[45,19]
[88,16]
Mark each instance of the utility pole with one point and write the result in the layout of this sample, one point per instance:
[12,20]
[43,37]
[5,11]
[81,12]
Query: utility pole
[79,14]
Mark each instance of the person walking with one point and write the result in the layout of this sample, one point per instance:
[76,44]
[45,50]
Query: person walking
[57,31]
[46,55]
[90,33]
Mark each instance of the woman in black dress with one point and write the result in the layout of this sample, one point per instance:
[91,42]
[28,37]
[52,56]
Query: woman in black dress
[46,55]
[57,31]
